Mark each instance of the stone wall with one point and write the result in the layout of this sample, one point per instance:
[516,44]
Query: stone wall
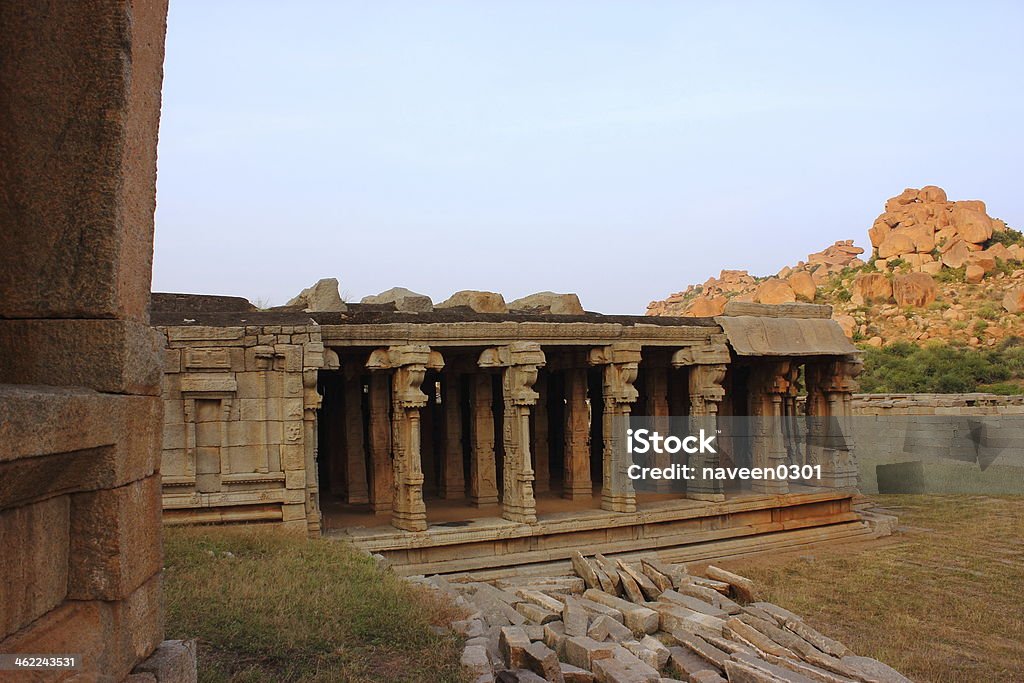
[239,439]
[80,408]
[937,404]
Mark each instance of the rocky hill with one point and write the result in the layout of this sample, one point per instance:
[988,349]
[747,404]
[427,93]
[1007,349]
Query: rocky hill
[937,269]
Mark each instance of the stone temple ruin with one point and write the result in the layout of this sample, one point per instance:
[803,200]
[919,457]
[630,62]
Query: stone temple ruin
[474,434]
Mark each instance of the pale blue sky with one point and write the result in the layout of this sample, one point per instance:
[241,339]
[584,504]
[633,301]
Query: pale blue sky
[620,150]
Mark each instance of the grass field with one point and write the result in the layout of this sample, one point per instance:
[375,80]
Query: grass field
[267,606]
[942,601]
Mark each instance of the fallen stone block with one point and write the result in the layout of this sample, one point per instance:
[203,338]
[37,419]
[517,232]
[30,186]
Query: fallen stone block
[706,677]
[695,604]
[512,644]
[660,579]
[720,586]
[738,672]
[597,609]
[604,627]
[822,642]
[574,674]
[650,590]
[779,614]
[540,599]
[575,618]
[630,588]
[676,617]
[702,649]
[777,673]
[638,619]
[645,654]
[815,673]
[543,661]
[612,670]
[585,570]
[475,660]
[686,663]
[873,670]
[607,582]
[783,637]
[582,651]
[536,613]
[534,631]
[744,633]
[612,570]
[652,643]
[742,587]
[554,636]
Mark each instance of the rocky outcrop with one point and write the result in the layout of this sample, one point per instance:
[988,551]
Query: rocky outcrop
[870,287]
[404,300]
[549,303]
[915,289]
[480,302]
[322,297]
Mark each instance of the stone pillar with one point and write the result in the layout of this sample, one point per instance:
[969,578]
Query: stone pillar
[541,455]
[656,407]
[619,362]
[483,479]
[453,481]
[311,402]
[830,387]
[706,394]
[768,387]
[382,475]
[355,449]
[409,364]
[521,362]
[577,482]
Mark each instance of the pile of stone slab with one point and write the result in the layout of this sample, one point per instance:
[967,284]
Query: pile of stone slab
[643,622]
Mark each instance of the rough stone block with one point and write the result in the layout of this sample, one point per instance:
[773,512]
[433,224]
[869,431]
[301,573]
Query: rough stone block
[173,661]
[613,670]
[574,674]
[113,549]
[581,651]
[112,356]
[637,618]
[512,643]
[543,661]
[33,562]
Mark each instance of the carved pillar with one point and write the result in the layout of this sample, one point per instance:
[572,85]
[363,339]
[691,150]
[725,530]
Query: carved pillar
[311,402]
[706,367]
[656,407]
[382,475]
[521,362]
[355,449]
[542,471]
[409,364]
[483,480]
[768,387]
[453,481]
[619,362]
[830,388]
[577,482]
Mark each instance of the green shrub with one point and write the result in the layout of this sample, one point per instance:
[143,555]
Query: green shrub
[903,367]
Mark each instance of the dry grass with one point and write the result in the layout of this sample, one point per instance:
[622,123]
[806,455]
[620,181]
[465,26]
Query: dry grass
[943,601]
[268,606]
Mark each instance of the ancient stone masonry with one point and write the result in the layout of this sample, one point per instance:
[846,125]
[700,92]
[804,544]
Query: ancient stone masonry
[830,387]
[240,424]
[80,410]
[657,623]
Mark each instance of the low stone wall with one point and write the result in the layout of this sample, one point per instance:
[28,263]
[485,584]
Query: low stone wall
[937,404]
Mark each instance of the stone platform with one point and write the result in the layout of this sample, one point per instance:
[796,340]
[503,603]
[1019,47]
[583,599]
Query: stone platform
[678,530]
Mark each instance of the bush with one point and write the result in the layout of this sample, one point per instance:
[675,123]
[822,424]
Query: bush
[938,368]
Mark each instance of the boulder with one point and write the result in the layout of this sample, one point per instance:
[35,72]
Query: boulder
[480,302]
[972,226]
[706,307]
[803,285]
[932,193]
[983,260]
[932,267]
[548,302]
[896,244]
[974,274]
[1013,300]
[403,299]
[869,287]
[915,289]
[775,291]
[321,297]
[956,255]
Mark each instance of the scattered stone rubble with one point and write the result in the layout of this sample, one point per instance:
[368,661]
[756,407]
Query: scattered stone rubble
[643,622]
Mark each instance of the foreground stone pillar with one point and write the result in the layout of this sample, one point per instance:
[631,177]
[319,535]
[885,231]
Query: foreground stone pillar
[453,480]
[521,362]
[409,364]
[577,482]
[830,388]
[619,363]
[355,449]
[382,476]
[483,479]
[541,447]
[768,387]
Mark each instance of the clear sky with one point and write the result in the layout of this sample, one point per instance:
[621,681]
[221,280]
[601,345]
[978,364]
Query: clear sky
[620,150]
